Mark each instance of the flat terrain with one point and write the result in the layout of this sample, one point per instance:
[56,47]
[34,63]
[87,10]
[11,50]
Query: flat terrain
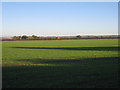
[60,64]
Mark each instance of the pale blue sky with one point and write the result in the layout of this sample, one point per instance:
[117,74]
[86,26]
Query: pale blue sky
[60,18]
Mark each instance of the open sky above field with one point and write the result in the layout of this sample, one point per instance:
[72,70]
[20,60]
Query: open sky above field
[59,18]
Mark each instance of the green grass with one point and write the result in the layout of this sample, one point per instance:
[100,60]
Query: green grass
[60,64]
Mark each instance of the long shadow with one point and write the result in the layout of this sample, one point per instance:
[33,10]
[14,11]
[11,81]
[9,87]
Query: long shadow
[70,61]
[91,73]
[75,48]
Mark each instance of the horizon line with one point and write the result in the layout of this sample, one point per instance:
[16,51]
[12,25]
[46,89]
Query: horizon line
[61,35]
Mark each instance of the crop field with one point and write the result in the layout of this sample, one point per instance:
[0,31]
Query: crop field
[60,64]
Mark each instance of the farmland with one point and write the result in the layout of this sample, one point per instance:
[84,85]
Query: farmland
[60,64]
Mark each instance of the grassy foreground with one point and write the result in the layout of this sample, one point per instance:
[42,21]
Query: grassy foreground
[60,64]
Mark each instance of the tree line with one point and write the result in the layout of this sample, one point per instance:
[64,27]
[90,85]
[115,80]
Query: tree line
[34,37]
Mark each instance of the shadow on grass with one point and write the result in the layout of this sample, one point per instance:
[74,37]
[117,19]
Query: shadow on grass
[74,48]
[70,61]
[86,73]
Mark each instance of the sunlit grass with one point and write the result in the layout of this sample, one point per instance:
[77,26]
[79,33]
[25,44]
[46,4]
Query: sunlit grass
[64,63]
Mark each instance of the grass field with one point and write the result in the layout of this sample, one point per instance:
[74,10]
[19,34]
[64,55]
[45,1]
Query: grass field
[60,64]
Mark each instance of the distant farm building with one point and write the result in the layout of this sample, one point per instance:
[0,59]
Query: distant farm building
[58,38]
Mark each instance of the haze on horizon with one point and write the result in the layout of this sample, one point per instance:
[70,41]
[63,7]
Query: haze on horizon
[60,18]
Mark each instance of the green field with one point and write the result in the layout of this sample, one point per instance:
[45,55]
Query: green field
[60,64]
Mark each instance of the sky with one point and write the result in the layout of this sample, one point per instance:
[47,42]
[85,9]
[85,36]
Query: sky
[59,18]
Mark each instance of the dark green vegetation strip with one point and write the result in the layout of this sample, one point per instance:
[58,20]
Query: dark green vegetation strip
[61,64]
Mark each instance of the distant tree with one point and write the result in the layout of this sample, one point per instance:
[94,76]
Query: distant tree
[34,37]
[101,37]
[17,37]
[24,37]
[78,36]
[95,37]
[88,37]
[29,38]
